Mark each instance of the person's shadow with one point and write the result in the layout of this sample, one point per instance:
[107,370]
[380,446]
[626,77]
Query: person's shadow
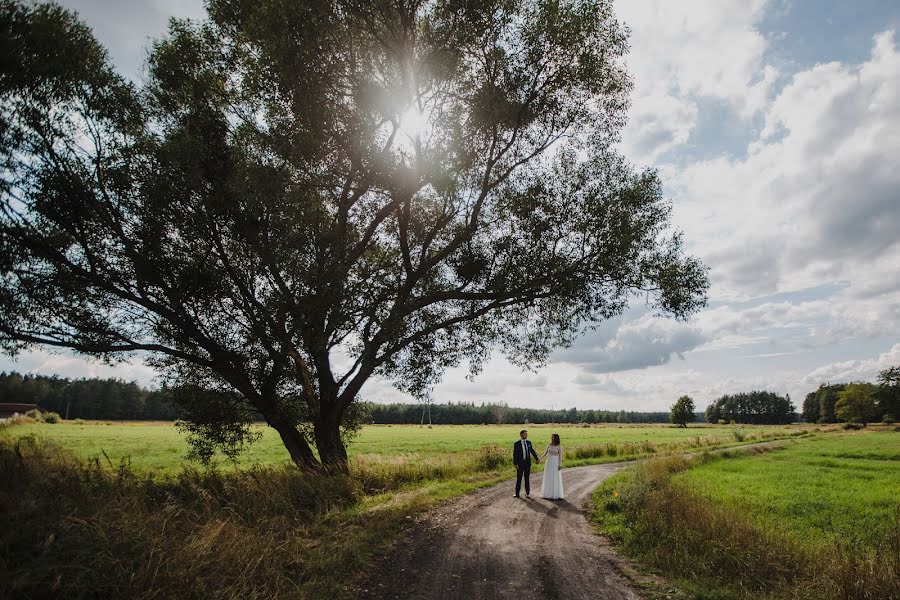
[551,507]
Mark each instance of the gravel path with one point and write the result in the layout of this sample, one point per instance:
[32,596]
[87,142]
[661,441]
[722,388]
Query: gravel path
[490,545]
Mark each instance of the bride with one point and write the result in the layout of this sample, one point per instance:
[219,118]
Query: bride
[551,485]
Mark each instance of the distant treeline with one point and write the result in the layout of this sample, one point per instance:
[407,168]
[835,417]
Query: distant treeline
[490,414]
[874,402]
[113,399]
[855,402]
[757,408]
[108,399]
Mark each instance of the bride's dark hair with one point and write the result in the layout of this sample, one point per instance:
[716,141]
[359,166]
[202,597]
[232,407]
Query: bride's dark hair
[554,439]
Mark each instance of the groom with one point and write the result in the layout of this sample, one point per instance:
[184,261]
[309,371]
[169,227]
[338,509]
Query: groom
[522,452]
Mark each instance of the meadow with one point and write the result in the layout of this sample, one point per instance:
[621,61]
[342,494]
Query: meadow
[826,490]
[159,447]
[813,518]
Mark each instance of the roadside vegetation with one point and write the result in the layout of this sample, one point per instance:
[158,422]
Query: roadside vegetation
[819,518]
[100,525]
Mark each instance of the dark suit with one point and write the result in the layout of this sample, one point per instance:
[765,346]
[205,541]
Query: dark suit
[522,460]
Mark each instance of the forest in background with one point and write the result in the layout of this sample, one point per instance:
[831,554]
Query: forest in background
[102,399]
[114,399]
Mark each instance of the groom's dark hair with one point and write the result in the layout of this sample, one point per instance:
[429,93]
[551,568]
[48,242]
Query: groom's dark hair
[523,431]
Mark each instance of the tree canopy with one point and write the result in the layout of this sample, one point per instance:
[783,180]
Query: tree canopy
[301,196]
[682,412]
[757,407]
[856,403]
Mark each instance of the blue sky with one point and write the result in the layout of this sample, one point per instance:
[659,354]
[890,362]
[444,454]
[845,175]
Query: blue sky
[775,126]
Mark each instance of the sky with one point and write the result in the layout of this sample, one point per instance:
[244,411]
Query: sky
[775,127]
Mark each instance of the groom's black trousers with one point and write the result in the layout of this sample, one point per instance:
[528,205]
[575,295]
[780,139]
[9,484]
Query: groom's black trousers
[523,469]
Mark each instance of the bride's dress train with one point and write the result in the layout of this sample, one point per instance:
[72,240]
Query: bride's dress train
[551,484]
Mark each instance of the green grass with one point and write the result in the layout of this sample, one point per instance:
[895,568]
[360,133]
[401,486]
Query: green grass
[160,448]
[818,517]
[825,489]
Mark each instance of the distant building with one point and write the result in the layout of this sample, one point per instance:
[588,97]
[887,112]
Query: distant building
[8,410]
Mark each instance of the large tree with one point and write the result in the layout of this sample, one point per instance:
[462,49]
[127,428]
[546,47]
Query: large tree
[302,195]
[856,403]
[888,394]
[756,407]
[682,412]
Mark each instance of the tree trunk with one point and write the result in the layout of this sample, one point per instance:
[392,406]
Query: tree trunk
[296,445]
[329,444]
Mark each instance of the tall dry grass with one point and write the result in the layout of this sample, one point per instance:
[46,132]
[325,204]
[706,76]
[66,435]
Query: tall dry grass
[377,473]
[72,528]
[77,529]
[686,535]
[630,450]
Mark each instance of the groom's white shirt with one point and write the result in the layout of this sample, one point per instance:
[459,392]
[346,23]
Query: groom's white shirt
[524,450]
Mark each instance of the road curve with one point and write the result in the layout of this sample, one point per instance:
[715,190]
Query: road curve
[490,545]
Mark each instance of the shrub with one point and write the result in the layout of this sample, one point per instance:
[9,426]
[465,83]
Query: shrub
[15,420]
[42,417]
[490,458]
[887,419]
[854,426]
[739,435]
[589,451]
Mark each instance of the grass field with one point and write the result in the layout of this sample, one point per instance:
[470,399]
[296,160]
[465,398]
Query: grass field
[818,518]
[159,447]
[827,489]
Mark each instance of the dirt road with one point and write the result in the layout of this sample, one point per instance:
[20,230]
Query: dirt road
[491,545]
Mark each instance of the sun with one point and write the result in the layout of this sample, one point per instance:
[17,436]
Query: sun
[413,130]
[413,122]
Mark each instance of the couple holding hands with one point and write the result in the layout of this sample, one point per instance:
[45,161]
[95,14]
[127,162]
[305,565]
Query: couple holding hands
[551,485]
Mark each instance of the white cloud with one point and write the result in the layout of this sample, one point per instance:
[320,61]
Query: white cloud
[686,51]
[67,364]
[854,370]
[633,343]
[658,123]
[127,28]
[812,204]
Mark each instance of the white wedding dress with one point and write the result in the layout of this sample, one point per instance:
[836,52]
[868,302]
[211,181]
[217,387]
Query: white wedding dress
[551,485]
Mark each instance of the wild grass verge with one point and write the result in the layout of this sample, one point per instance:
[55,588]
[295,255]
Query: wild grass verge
[75,529]
[589,453]
[720,552]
